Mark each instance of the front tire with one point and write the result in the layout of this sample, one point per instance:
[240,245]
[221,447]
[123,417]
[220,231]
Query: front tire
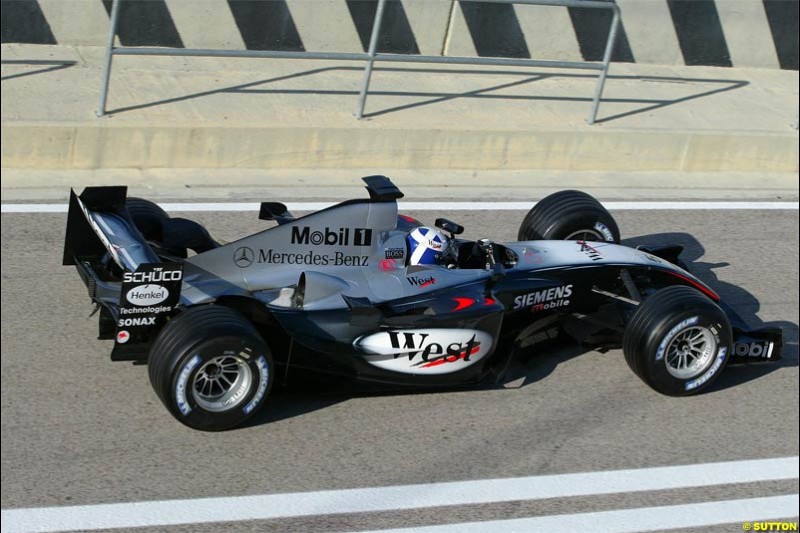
[210,368]
[677,341]
[569,215]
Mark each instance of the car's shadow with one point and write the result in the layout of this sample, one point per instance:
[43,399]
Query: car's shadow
[309,394]
[532,368]
[742,301]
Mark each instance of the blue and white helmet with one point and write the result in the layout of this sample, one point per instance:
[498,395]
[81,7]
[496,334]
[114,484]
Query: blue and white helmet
[426,246]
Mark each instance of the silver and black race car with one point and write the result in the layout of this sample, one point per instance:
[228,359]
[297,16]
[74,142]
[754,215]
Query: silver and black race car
[358,291]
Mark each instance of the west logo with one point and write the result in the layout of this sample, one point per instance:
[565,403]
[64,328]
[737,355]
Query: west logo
[422,282]
[425,351]
[411,343]
[590,251]
[331,237]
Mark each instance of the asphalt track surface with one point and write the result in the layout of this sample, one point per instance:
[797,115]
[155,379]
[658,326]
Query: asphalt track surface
[79,430]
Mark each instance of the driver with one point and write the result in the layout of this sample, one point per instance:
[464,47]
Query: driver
[427,246]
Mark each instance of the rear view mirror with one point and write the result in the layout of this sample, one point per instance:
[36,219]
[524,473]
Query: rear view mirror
[449,226]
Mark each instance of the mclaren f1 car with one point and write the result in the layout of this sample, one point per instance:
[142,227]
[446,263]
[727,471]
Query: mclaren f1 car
[357,290]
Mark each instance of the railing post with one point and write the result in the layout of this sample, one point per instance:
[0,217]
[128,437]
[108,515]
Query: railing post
[373,45]
[601,80]
[372,56]
[112,33]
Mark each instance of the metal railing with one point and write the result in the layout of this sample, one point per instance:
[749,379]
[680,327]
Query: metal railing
[372,56]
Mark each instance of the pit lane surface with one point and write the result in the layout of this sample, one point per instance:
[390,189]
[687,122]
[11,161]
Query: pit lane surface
[78,430]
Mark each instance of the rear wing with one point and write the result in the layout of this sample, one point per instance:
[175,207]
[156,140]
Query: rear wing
[135,303]
[98,224]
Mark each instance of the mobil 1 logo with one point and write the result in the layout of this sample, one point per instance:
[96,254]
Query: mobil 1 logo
[328,236]
[147,297]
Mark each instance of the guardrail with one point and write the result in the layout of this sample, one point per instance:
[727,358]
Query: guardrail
[372,56]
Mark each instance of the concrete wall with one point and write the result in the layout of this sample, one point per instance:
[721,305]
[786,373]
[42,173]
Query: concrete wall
[748,33]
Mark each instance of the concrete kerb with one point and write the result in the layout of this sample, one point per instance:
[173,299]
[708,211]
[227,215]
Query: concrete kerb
[314,184]
[94,145]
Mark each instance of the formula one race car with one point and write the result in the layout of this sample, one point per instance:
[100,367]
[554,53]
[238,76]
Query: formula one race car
[357,290]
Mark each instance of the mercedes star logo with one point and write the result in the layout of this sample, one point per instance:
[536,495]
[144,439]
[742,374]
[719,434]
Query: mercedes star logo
[243,257]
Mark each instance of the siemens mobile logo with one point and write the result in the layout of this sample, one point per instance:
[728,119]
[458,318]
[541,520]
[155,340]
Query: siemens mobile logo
[545,298]
[332,237]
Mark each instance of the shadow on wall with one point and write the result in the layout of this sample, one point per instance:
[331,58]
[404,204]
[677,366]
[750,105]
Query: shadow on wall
[47,66]
[432,98]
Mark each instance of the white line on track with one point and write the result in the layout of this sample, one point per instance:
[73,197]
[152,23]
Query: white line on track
[434,206]
[403,497]
[633,520]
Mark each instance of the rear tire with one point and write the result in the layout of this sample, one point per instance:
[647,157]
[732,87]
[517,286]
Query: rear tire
[569,215]
[677,341]
[210,368]
[150,219]
[147,216]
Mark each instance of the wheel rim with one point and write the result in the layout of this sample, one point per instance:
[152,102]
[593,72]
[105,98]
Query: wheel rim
[691,352]
[584,235]
[222,383]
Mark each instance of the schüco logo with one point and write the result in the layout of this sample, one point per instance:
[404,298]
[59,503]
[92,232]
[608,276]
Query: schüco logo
[145,295]
[156,276]
[332,237]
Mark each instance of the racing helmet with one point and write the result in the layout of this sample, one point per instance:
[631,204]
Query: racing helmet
[426,246]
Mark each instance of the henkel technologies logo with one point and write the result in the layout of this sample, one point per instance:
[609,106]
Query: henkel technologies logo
[332,237]
[150,294]
[425,351]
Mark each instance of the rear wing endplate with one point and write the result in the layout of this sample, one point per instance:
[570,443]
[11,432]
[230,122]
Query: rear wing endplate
[98,223]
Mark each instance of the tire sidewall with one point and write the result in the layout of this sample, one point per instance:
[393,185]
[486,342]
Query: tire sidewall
[668,328]
[180,398]
[148,217]
[587,221]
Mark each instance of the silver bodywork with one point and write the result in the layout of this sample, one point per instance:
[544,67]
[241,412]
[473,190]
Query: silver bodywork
[356,237]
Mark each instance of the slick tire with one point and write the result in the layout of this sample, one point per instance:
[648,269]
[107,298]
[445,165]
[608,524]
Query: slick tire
[147,216]
[211,368]
[569,215]
[150,219]
[677,341]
